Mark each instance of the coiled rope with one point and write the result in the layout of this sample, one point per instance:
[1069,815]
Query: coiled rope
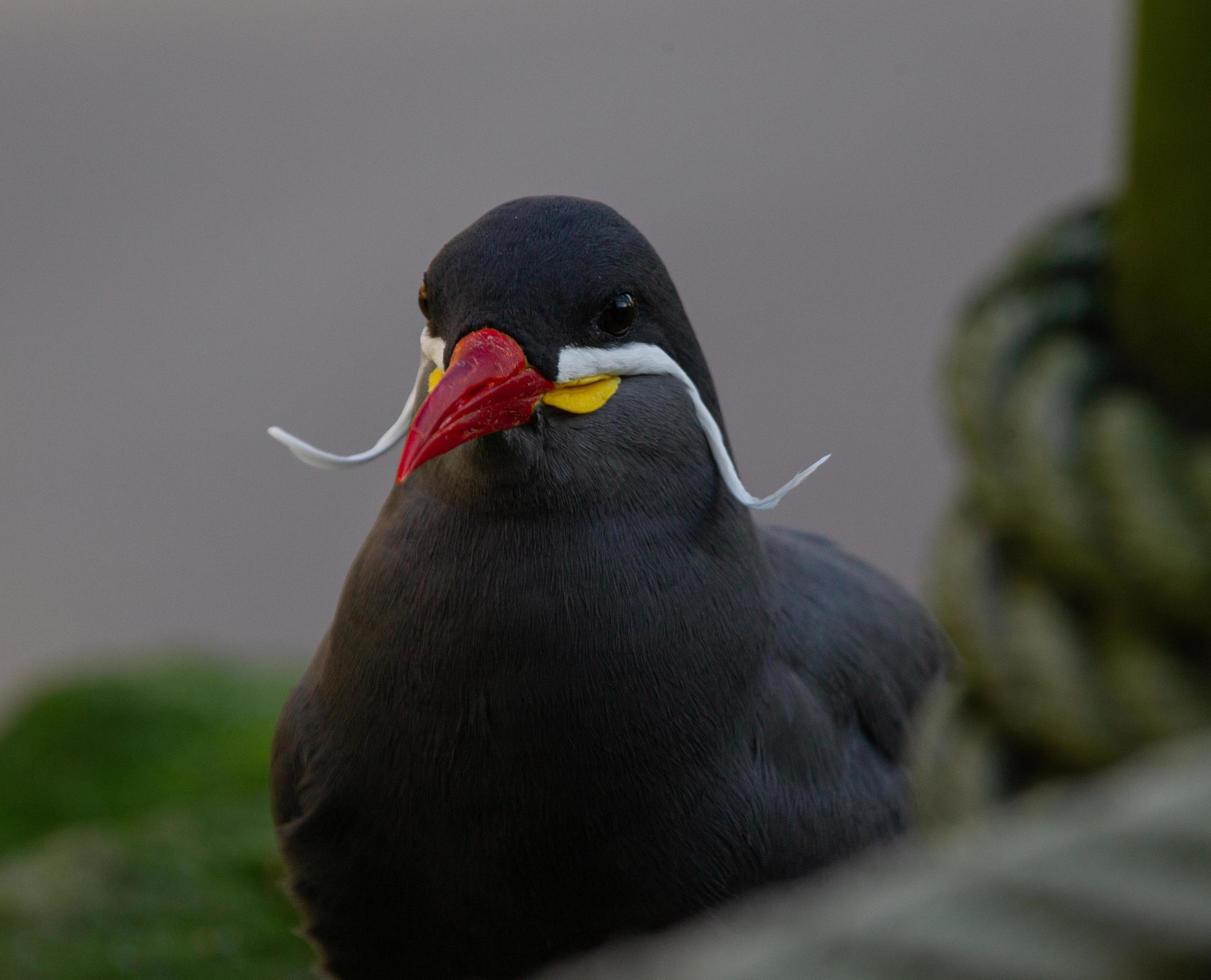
[1074,575]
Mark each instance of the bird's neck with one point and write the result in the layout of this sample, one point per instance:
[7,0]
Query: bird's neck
[454,597]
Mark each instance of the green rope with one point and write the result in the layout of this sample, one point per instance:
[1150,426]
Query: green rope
[1075,577]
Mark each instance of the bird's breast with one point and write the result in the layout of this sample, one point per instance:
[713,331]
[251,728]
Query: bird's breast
[529,634]
[532,713]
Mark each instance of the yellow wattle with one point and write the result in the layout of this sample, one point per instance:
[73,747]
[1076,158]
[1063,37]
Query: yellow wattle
[583,395]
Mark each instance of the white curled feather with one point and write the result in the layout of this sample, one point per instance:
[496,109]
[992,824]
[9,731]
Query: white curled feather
[432,355]
[633,359]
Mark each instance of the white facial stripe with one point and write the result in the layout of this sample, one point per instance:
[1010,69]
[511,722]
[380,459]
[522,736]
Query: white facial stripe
[579,362]
[433,351]
[434,348]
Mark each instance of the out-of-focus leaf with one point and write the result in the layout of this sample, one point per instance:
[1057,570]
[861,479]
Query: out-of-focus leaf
[1109,880]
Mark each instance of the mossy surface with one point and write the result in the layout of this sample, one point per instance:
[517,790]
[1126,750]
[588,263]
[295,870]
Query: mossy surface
[135,838]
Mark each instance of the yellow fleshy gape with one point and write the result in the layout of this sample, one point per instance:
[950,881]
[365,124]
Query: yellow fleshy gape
[580,397]
[583,395]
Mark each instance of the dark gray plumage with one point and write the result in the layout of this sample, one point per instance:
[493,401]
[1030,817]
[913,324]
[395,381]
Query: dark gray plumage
[571,691]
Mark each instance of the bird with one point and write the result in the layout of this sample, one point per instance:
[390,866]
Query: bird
[572,692]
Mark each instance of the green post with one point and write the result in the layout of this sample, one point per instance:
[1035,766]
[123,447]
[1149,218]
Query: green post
[1163,254]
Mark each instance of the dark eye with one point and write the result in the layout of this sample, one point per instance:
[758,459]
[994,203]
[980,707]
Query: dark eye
[422,298]
[618,315]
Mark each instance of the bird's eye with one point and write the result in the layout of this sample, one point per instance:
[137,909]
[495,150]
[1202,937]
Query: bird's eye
[422,298]
[618,315]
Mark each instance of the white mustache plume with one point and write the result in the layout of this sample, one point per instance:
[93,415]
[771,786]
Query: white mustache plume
[433,353]
[574,362]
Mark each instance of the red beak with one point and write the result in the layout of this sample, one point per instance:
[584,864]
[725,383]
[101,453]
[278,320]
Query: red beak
[488,387]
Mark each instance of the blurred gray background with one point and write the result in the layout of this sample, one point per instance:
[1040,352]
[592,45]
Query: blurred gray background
[214,216]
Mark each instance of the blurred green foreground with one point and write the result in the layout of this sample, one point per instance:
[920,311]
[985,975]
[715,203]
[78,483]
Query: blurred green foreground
[135,838]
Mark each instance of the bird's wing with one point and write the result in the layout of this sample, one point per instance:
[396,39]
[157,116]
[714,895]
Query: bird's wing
[287,767]
[292,763]
[859,642]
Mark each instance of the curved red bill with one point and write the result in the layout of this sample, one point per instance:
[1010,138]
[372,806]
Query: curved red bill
[488,387]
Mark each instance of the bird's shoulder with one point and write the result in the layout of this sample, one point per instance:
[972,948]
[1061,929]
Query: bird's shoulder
[866,648]
[293,753]
[287,762]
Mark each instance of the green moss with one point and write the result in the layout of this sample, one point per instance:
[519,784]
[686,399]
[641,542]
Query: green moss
[135,837]
[113,747]
[176,896]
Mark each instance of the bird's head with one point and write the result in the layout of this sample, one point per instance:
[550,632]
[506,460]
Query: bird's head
[534,315]
[552,318]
